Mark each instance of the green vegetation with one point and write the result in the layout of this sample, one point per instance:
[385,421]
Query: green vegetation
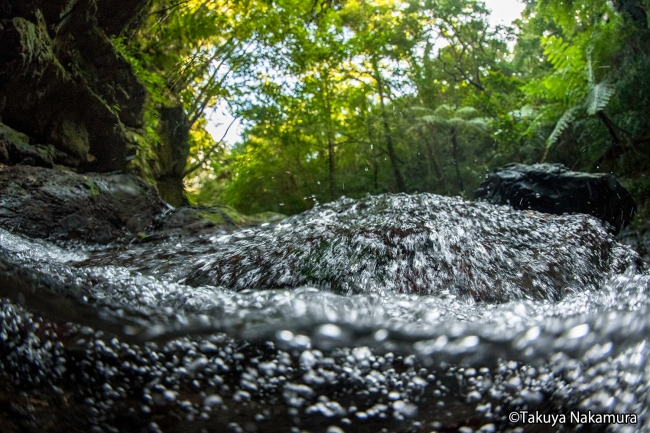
[349,97]
[92,186]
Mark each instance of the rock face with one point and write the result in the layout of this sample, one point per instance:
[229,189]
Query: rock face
[67,97]
[554,189]
[62,83]
[17,148]
[48,203]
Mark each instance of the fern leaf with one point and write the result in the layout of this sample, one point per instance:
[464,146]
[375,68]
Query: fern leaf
[418,108]
[599,97]
[433,119]
[445,110]
[466,112]
[562,124]
[480,123]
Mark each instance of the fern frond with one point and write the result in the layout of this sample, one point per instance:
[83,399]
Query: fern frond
[445,111]
[562,124]
[433,119]
[466,112]
[418,108]
[480,123]
[524,113]
[599,97]
[555,50]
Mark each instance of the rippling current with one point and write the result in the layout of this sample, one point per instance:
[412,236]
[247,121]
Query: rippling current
[434,313]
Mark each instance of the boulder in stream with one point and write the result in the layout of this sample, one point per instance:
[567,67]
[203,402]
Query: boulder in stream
[59,204]
[554,189]
[418,244]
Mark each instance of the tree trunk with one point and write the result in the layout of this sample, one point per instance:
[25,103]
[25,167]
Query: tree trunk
[454,150]
[375,159]
[331,142]
[399,180]
[440,175]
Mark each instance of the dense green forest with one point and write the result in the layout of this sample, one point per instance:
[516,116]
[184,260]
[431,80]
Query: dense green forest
[349,97]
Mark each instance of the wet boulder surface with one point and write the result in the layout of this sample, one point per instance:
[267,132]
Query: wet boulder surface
[59,204]
[423,244]
[392,313]
[554,189]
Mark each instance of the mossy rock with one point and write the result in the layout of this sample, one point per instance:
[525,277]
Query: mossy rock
[192,219]
[16,148]
[223,215]
[62,205]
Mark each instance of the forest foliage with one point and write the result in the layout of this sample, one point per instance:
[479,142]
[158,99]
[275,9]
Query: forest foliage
[350,97]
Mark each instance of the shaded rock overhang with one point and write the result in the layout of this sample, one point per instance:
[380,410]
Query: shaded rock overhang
[63,84]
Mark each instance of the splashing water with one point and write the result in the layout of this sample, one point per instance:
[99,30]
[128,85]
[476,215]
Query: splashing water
[413,309]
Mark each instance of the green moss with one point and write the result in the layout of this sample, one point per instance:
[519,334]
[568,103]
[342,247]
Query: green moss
[214,217]
[145,161]
[37,45]
[258,218]
[235,216]
[225,215]
[265,217]
[93,187]
[13,136]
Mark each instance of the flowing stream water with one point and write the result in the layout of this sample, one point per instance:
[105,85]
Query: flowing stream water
[395,312]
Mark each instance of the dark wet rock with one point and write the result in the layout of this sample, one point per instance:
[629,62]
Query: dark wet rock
[554,189]
[637,236]
[18,148]
[93,207]
[58,204]
[424,244]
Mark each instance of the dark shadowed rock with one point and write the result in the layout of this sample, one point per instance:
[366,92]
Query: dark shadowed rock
[58,204]
[63,83]
[637,236]
[554,189]
[68,97]
[18,148]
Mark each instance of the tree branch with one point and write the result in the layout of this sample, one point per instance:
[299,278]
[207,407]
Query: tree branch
[209,152]
[163,10]
[610,127]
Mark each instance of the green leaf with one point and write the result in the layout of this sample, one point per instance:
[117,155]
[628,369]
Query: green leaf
[599,97]
[562,124]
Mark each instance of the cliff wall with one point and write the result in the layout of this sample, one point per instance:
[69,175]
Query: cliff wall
[67,97]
